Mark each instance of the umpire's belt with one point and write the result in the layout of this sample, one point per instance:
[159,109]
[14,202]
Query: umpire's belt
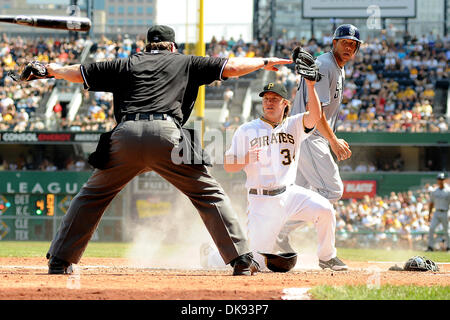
[264,192]
[146,116]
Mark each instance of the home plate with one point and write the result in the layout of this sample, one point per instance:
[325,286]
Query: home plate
[295,294]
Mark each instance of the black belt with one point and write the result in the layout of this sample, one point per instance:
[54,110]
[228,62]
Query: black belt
[264,192]
[146,116]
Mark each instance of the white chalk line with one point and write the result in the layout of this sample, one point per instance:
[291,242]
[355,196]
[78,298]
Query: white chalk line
[130,267]
[296,294]
[397,262]
[91,267]
[42,267]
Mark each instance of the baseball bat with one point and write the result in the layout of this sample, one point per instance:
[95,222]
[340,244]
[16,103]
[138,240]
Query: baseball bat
[72,23]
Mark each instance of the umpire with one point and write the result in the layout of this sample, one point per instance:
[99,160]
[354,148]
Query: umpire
[154,94]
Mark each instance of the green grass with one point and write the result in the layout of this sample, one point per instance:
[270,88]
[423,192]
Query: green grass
[389,255]
[39,249]
[384,292]
[119,250]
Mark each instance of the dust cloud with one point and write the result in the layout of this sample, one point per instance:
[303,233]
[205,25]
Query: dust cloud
[173,241]
[304,241]
[170,241]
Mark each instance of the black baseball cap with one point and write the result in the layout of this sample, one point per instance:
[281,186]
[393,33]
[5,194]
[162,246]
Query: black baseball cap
[275,87]
[441,176]
[161,33]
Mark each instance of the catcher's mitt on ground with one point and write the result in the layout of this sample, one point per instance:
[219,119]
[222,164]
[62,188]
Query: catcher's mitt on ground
[420,264]
[31,71]
[305,65]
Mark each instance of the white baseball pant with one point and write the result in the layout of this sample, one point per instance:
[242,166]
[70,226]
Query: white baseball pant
[268,214]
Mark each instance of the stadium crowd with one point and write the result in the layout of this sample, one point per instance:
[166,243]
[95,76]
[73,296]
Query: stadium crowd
[390,86]
[398,220]
[20,103]
[45,163]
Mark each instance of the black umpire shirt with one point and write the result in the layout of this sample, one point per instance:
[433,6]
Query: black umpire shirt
[158,81]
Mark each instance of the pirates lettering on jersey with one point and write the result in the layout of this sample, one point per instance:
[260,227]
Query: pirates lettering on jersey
[279,137]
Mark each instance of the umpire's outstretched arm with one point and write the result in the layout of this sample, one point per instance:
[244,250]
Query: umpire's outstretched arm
[234,67]
[70,73]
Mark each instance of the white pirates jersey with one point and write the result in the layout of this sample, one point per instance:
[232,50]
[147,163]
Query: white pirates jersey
[277,165]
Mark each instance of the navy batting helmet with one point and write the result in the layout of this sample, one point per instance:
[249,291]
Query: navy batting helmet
[282,262]
[348,31]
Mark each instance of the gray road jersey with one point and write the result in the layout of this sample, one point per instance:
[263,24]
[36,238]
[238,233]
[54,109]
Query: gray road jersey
[441,198]
[329,90]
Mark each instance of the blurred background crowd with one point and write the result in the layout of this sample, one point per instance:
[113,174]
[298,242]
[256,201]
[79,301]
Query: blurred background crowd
[401,219]
[389,86]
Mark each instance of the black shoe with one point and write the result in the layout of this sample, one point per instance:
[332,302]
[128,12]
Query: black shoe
[333,264]
[429,249]
[245,265]
[58,266]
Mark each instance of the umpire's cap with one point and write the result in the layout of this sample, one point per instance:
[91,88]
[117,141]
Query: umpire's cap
[275,87]
[441,176]
[161,33]
[282,262]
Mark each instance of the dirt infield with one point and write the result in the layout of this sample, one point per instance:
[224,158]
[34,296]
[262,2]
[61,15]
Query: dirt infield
[115,279]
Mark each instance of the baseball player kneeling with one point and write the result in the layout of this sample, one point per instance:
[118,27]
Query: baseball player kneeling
[267,149]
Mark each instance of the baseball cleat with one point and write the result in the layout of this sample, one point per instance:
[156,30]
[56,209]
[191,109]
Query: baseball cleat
[334,264]
[245,265]
[205,249]
[283,244]
[58,266]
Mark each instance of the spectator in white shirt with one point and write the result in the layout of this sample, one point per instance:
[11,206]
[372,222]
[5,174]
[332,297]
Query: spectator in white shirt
[362,167]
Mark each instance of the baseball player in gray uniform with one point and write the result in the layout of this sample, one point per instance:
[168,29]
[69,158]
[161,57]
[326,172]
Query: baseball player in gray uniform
[440,201]
[317,169]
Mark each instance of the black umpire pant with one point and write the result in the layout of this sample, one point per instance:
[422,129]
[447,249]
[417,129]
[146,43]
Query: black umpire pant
[138,147]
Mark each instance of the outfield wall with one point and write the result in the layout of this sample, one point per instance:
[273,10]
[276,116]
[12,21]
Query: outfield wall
[32,203]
